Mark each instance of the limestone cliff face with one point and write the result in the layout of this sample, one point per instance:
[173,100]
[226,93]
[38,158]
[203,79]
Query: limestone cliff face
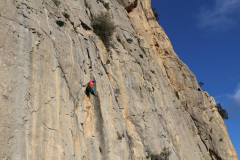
[147,97]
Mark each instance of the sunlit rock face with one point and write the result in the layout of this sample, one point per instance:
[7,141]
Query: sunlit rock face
[147,98]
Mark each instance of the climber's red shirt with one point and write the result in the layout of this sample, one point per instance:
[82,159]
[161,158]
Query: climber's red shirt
[91,83]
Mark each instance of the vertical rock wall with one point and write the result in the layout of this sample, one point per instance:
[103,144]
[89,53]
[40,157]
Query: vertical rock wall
[147,99]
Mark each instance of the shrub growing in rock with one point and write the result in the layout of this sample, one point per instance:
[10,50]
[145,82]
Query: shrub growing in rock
[165,154]
[129,40]
[222,111]
[201,84]
[155,13]
[104,27]
[105,4]
[56,2]
[60,23]
[120,137]
[66,15]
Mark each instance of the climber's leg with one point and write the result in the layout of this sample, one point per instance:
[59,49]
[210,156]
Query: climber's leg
[92,91]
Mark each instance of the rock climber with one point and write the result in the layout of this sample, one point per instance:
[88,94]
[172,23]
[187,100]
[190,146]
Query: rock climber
[90,89]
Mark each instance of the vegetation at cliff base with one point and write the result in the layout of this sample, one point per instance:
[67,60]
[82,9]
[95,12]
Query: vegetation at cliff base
[104,27]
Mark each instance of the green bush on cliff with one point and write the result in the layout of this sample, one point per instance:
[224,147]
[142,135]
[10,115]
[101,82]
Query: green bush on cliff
[155,13]
[105,4]
[164,155]
[104,27]
[222,111]
[66,15]
[60,23]
[56,2]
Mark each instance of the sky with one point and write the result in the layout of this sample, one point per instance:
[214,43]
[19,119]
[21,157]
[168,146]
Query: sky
[206,36]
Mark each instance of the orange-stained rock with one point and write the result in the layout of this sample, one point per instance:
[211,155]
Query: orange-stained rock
[131,6]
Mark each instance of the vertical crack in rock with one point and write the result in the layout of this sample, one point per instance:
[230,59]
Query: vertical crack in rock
[214,155]
[67,83]
[100,126]
[197,125]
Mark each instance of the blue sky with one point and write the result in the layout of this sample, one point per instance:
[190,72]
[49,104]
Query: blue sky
[206,36]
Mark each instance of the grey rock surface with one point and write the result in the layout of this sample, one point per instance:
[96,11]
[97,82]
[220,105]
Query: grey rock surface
[147,98]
